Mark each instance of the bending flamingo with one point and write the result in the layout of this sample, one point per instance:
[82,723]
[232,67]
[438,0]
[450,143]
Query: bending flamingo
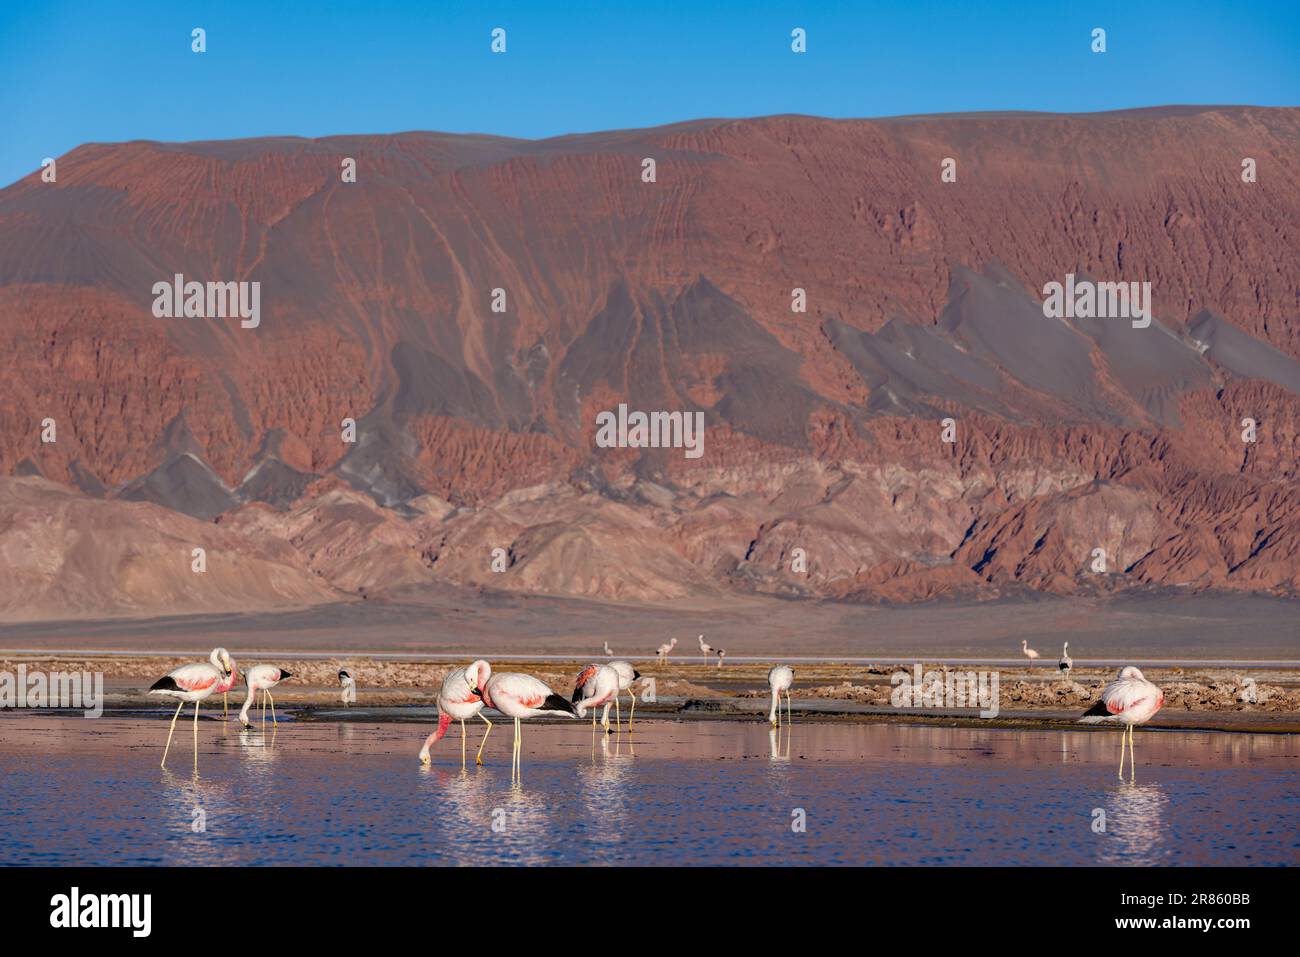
[261,678]
[459,699]
[522,696]
[193,682]
[1130,699]
[779,679]
[349,686]
[596,685]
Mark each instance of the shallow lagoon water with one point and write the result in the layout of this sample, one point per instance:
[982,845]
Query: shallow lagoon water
[77,791]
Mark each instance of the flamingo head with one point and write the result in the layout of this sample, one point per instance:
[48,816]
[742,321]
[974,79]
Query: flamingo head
[1131,672]
[476,675]
[221,660]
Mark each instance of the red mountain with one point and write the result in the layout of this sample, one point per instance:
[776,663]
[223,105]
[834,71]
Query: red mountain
[476,429]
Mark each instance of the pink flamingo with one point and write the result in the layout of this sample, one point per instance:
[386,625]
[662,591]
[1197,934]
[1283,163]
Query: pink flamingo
[193,682]
[596,685]
[522,696]
[262,678]
[1130,699]
[460,699]
[224,686]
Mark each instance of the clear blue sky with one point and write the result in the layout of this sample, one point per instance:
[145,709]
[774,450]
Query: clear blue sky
[75,72]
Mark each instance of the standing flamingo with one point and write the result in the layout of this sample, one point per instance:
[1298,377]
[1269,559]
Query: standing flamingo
[779,679]
[1130,699]
[666,650]
[224,686]
[1028,652]
[192,682]
[596,685]
[608,652]
[522,696]
[349,687]
[705,650]
[459,699]
[1066,663]
[261,678]
[722,653]
[626,675]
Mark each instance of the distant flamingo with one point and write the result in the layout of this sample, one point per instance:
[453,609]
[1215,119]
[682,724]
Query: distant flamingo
[608,653]
[522,696]
[666,650]
[193,682]
[1249,690]
[1029,652]
[261,678]
[1130,699]
[779,679]
[705,650]
[1066,663]
[349,687]
[721,654]
[459,699]
[626,675]
[596,685]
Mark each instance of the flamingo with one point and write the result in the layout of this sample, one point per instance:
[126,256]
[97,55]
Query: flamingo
[596,685]
[666,650]
[1029,652]
[349,688]
[192,682]
[459,699]
[1129,699]
[626,675]
[224,687]
[261,678]
[608,653]
[1249,690]
[779,679]
[705,650]
[1066,663]
[721,654]
[522,696]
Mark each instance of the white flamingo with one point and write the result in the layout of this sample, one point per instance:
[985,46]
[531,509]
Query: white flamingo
[779,679]
[1130,699]
[721,654]
[522,696]
[1066,663]
[349,687]
[193,682]
[1029,652]
[459,699]
[594,686]
[626,675]
[261,678]
[608,653]
[705,649]
[1249,690]
[666,650]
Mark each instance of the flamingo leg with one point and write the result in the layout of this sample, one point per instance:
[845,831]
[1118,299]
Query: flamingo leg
[789,715]
[225,705]
[274,721]
[618,717]
[1132,758]
[630,716]
[1122,736]
[179,705]
[478,758]
[196,736]
[462,744]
